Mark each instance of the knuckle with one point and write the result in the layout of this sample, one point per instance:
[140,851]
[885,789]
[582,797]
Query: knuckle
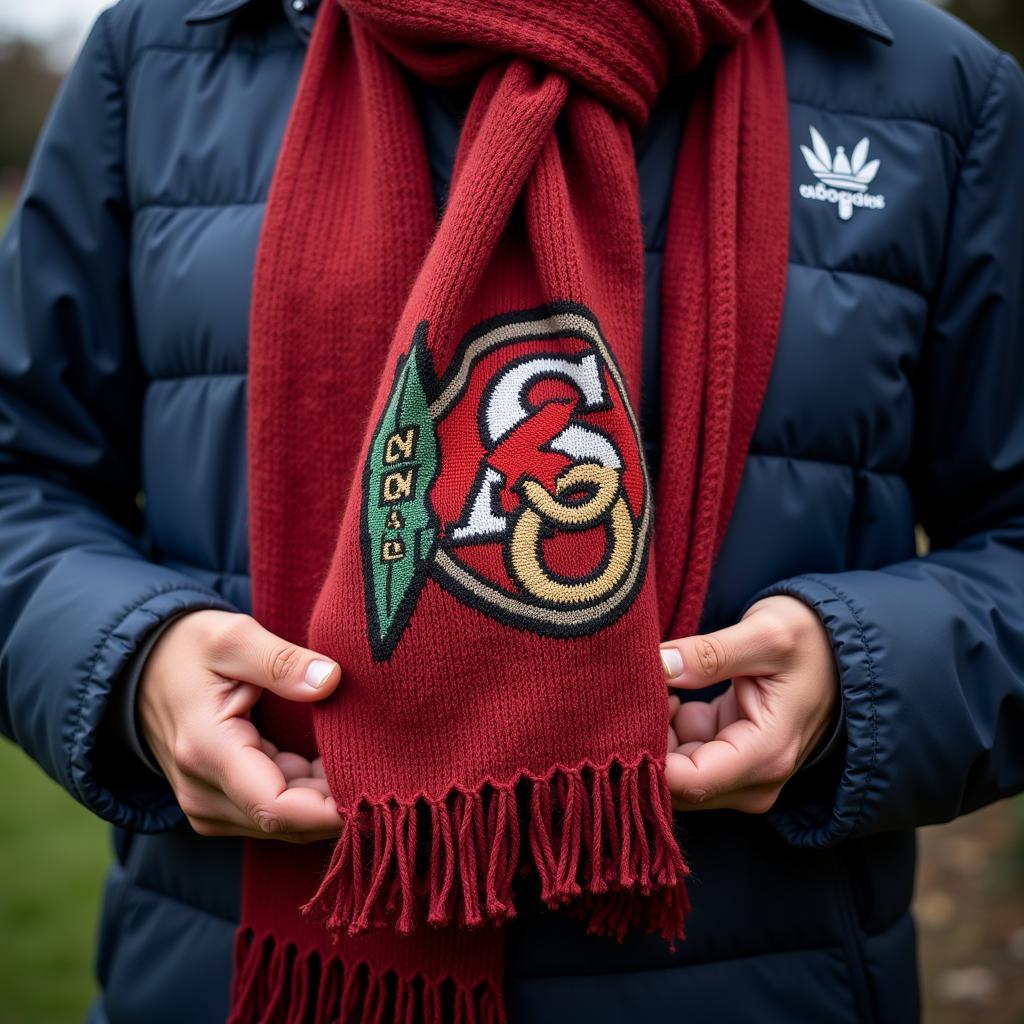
[225,634]
[188,757]
[282,661]
[266,820]
[692,794]
[711,656]
[190,806]
[780,633]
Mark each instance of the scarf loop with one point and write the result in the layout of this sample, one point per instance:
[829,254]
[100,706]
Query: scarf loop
[447,490]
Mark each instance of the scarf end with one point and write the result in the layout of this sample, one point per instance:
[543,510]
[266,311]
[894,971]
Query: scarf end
[276,983]
[599,839]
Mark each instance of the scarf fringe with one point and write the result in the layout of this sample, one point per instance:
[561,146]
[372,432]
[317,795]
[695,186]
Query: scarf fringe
[597,838]
[274,983]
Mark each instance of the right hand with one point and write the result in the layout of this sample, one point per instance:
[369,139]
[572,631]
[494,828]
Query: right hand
[198,686]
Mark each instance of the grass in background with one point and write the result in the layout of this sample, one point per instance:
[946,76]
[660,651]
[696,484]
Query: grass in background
[53,854]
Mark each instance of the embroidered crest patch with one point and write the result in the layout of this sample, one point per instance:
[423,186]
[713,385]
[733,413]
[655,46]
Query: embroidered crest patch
[516,481]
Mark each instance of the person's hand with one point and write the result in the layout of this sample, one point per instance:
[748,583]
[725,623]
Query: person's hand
[198,685]
[739,749]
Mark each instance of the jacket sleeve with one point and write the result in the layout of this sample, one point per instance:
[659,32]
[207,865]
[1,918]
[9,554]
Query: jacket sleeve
[931,650]
[79,588]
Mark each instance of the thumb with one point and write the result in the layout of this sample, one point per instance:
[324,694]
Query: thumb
[248,652]
[694,662]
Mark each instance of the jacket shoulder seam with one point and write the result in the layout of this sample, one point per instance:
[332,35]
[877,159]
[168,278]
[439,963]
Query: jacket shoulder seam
[145,48]
[986,92]
[990,81]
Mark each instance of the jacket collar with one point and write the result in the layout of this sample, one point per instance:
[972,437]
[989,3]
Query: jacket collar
[214,10]
[861,14]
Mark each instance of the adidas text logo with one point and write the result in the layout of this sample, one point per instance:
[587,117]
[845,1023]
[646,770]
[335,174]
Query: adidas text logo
[842,180]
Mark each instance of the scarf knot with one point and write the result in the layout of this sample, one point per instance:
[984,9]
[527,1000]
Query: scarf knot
[620,51]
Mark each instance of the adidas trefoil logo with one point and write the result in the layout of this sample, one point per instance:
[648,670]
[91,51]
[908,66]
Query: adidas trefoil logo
[842,180]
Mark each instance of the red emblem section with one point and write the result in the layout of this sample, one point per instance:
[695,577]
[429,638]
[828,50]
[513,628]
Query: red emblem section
[541,497]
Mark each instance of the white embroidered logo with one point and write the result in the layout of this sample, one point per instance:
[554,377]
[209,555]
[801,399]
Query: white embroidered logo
[842,179]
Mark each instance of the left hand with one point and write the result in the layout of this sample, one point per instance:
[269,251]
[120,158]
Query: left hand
[739,749]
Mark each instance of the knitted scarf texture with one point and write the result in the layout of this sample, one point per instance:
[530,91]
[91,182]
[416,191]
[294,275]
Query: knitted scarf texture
[447,490]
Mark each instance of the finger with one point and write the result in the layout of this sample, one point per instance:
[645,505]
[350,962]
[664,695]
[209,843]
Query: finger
[217,827]
[751,647]
[209,805]
[259,789]
[702,720]
[696,720]
[320,785]
[749,800]
[293,766]
[734,759]
[210,812]
[242,649]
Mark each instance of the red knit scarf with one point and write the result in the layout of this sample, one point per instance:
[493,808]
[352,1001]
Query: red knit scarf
[447,488]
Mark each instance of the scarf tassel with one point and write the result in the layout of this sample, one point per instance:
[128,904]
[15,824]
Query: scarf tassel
[274,983]
[598,839]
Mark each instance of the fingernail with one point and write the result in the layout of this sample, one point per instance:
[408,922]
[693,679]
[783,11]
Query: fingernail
[672,662]
[317,672]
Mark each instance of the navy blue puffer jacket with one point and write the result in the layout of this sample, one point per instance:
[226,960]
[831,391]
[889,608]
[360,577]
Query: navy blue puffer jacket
[895,399]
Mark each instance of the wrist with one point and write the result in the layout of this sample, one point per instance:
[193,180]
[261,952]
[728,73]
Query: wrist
[124,709]
[834,738]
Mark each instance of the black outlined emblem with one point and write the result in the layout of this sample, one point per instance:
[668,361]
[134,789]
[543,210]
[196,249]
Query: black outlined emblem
[516,481]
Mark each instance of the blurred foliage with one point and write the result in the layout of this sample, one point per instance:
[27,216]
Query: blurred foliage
[1002,21]
[53,855]
[27,87]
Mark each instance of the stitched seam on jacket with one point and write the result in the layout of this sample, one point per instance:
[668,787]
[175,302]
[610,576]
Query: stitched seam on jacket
[872,695]
[874,17]
[839,463]
[156,204]
[873,275]
[838,950]
[184,565]
[868,116]
[198,373]
[253,51]
[942,265]
[194,907]
[828,947]
[990,82]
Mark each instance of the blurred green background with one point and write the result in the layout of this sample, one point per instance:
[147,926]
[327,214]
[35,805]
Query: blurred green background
[970,894]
